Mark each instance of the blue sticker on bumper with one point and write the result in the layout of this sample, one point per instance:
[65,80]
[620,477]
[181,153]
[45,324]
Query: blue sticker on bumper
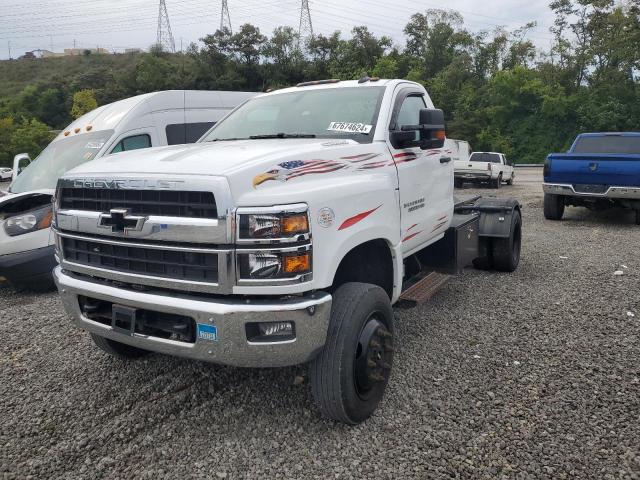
[207,332]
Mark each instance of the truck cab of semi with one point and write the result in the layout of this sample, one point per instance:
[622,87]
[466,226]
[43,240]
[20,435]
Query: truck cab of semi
[284,236]
[149,120]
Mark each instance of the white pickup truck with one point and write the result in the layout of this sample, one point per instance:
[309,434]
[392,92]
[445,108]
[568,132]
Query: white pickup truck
[283,236]
[484,167]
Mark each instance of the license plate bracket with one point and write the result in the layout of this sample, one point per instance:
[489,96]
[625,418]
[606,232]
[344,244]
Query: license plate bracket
[123,319]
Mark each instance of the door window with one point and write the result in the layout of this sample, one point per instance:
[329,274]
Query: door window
[181,133]
[134,142]
[409,113]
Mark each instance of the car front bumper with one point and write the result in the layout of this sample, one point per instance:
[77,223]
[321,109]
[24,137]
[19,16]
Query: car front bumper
[613,192]
[229,315]
[26,266]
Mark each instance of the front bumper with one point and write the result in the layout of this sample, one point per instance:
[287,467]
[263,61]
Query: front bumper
[621,193]
[27,266]
[229,315]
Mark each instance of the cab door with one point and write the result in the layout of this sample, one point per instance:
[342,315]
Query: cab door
[425,177]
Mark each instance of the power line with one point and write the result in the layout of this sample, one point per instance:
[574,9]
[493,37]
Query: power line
[225,18]
[165,37]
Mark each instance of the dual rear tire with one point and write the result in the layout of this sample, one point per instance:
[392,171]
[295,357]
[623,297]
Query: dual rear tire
[503,254]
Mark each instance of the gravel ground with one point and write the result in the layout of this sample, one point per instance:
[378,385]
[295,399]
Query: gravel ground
[526,375]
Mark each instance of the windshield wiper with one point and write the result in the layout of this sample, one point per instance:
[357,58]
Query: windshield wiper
[283,135]
[226,139]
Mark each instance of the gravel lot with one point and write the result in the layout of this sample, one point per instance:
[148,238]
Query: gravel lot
[530,375]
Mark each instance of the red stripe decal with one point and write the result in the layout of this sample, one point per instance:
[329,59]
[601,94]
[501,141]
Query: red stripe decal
[438,226]
[406,239]
[442,218]
[404,154]
[355,219]
[412,227]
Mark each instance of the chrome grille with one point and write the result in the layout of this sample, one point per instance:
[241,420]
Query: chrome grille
[163,263]
[168,203]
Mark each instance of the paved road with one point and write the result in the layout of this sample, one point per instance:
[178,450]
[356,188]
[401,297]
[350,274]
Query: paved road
[526,375]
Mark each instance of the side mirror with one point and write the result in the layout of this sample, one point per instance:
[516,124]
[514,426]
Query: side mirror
[20,161]
[432,128]
[402,138]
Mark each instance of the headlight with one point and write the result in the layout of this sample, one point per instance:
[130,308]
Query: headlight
[286,223]
[29,222]
[274,265]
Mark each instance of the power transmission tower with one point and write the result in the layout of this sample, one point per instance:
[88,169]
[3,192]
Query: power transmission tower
[305,30]
[225,18]
[165,37]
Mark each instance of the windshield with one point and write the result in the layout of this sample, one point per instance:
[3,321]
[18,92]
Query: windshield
[485,157]
[323,113]
[57,159]
[613,144]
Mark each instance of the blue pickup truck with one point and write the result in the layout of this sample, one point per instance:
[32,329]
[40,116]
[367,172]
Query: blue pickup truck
[601,170]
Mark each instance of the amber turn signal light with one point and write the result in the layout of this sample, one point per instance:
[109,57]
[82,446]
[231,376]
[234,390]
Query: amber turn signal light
[297,263]
[441,135]
[295,224]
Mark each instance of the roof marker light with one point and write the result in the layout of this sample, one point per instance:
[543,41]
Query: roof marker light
[66,134]
[89,127]
[77,130]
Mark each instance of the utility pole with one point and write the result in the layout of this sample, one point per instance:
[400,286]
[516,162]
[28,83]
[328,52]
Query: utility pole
[225,18]
[305,30]
[165,37]
[9,43]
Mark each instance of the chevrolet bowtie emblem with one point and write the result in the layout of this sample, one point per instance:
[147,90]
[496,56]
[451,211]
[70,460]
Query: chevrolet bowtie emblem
[119,221]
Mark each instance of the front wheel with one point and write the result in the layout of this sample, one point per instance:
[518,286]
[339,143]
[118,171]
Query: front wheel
[350,375]
[553,206]
[510,181]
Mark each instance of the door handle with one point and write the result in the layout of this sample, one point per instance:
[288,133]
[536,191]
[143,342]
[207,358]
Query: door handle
[445,159]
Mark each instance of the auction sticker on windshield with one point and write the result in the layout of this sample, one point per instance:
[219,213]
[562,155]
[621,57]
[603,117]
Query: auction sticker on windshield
[349,127]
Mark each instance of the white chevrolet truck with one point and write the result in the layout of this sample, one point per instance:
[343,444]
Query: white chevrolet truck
[283,236]
[484,167]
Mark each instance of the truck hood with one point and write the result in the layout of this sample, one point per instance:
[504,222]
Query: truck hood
[216,158]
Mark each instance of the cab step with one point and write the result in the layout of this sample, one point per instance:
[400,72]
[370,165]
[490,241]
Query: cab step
[423,289]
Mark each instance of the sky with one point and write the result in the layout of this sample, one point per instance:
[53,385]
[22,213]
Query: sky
[118,24]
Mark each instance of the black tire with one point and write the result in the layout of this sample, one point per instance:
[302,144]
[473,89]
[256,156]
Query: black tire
[457,183]
[497,183]
[637,217]
[483,263]
[117,349]
[506,251]
[553,206]
[341,384]
[510,181]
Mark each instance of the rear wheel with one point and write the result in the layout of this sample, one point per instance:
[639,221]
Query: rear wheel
[458,183]
[506,251]
[497,183]
[350,375]
[553,206]
[637,217]
[117,349]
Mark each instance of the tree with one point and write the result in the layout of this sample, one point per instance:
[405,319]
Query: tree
[30,137]
[83,102]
